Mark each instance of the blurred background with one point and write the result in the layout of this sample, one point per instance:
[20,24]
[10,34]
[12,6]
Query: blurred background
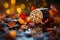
[29,19]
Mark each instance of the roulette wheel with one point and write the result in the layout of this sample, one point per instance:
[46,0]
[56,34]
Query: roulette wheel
[39,14]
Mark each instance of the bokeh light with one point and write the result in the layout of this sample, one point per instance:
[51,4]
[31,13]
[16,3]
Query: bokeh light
[8,11]
[6,5]
[19,10]
[12,33]
[13,1]
[22,6]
